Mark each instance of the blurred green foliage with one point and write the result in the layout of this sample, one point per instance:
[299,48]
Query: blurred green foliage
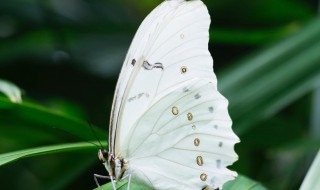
[66,56]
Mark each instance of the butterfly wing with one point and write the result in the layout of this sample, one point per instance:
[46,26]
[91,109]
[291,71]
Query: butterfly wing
[173,37]
[184,141]
[143,38]
[168,119]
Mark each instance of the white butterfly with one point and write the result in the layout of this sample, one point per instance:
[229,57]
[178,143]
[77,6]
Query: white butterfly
[170,127]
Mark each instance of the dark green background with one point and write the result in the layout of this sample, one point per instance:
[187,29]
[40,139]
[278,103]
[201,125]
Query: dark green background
[67,54]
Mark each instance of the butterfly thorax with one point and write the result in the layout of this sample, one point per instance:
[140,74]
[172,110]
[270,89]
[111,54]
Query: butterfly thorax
[115,166]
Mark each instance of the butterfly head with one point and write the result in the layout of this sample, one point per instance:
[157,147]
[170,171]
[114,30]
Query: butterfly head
[107,160]
[103,155]
[115,166]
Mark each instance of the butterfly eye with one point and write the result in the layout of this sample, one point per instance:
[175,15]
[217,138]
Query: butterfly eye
[103,155]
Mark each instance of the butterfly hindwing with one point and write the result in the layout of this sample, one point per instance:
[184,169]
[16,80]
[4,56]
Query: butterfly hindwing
[189,129]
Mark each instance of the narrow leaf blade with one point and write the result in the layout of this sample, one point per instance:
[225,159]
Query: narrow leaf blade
[45,150]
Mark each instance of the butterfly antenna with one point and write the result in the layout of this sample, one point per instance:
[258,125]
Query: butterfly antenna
[77,137]
[95,135]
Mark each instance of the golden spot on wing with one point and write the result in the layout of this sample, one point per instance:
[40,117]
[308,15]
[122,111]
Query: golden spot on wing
[175,110]
[196,142]
[190,116]
[200,160]
[183,70]
[203,177]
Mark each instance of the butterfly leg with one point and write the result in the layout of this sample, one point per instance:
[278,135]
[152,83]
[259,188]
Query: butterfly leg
[113,183]
[129,182]
[96,176]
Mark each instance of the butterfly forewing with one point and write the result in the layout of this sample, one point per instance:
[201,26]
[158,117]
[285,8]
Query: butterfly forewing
[178,42]
[134,60]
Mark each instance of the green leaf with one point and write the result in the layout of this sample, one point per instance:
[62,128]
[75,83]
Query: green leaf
[71,172]
[240,183]
[243,183]
[16,155]
[312,179]
[120,185]
[262,85]
[251,37]
[11,91]
[47,118]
